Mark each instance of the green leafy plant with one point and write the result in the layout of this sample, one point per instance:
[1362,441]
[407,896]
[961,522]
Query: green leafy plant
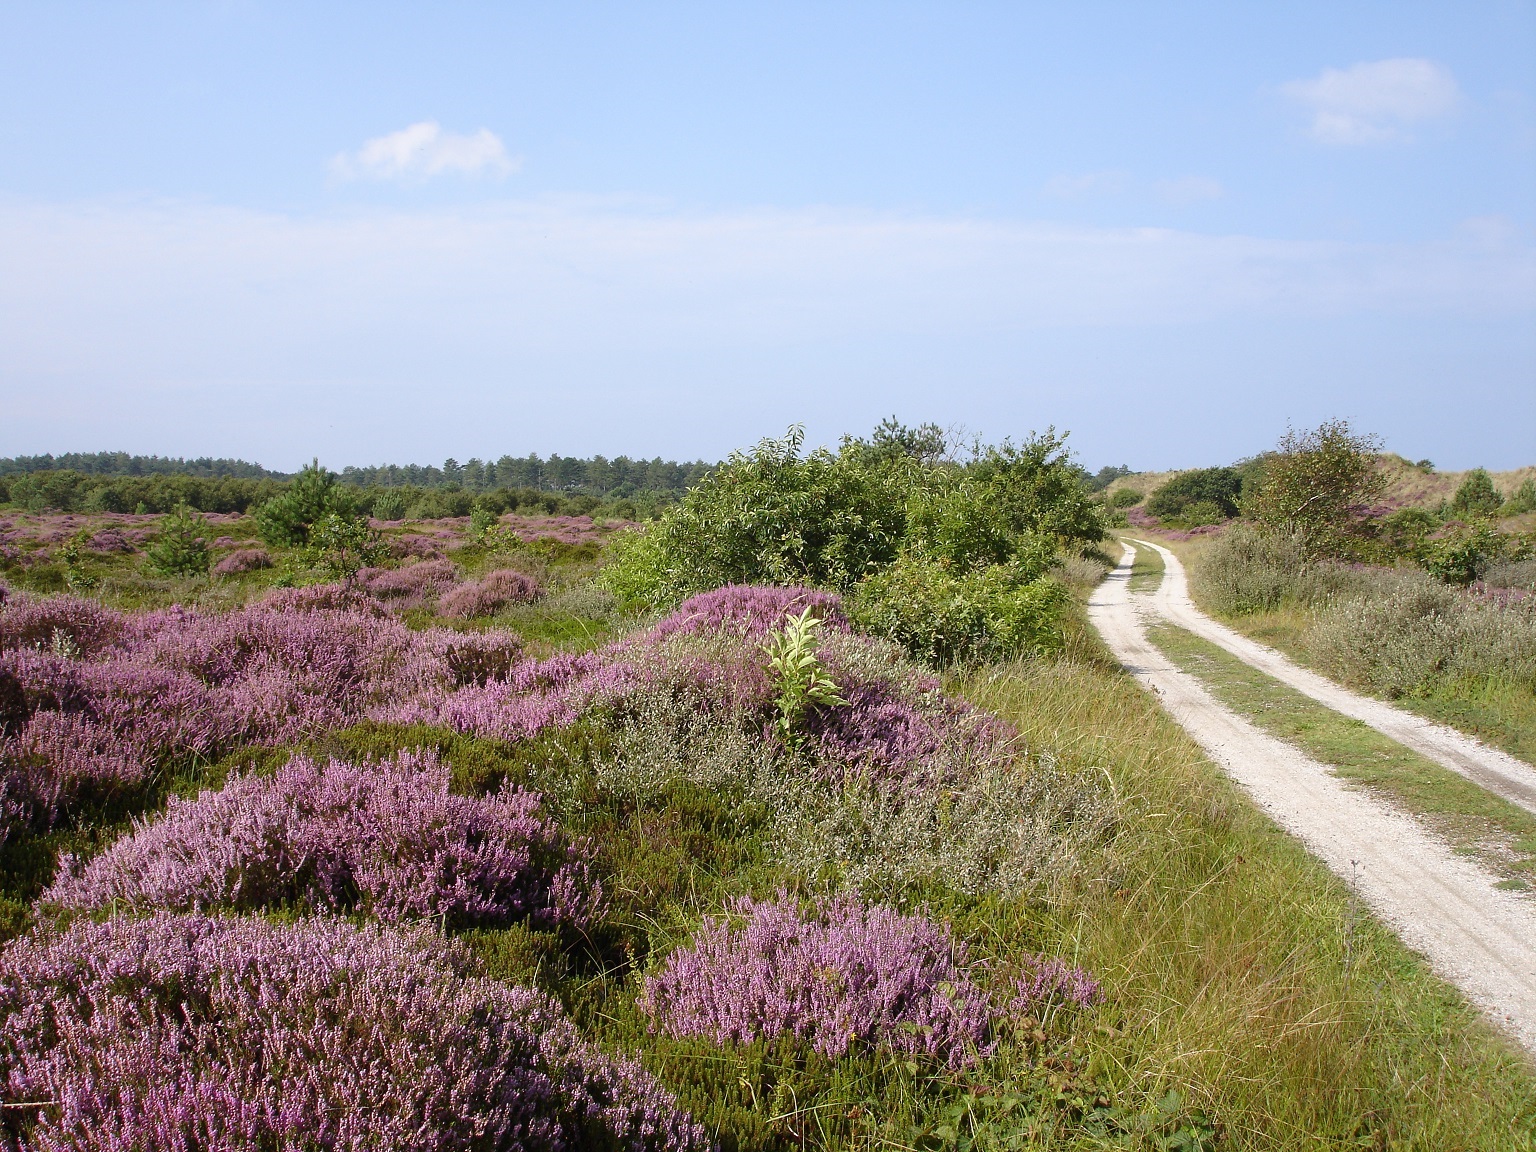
[76,576]
[1523,500]
[1124,498]
[341,546]
[798,674]
[286,520]
[1464,554]
[482,518]
[389,505]
[1316,486]
[1206,495]
[182,546]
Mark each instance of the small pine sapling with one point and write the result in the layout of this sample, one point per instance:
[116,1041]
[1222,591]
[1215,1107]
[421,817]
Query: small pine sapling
[182,547]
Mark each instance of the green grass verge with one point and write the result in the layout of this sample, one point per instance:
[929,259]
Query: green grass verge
[1473,819]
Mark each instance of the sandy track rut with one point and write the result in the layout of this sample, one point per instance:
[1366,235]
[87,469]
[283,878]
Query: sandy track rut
[1479,938]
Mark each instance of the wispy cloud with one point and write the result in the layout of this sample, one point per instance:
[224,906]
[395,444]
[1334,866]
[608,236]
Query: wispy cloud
[424,150]
[1371,103]
[1073,186]
[1190,189]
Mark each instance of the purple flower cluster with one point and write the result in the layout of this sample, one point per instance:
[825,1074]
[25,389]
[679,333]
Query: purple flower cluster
[750,610]
[110,696]
[411,586]
[181,1032]
[243,560]
[492,592]
[384,839]
[1049,982]
[846,975]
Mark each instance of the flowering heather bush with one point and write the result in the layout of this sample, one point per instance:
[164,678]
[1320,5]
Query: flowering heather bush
[175,1033]
[110,540]
[492,592]
[474,658]
[413,544]
[411,586]
[177,682]
[846,975]
[750,610]
[242,560]
[1048,982]
[384,839]
[32,621]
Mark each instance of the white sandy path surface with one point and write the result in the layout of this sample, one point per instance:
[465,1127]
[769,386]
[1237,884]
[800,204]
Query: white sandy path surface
[1479,938]
[1495,770]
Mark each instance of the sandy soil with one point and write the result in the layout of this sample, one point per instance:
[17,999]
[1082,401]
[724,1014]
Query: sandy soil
[1445,906]
[1495,770]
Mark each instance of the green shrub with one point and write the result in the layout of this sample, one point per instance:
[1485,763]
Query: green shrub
[994,613]
[285,520]
[1124,498]
[1477,496]
[768,516]
[1214,490]
[1523,500]
[1464,553]
[1039,490]
[1406,532]
[1315,486]
[389,505]
[1246,571]
[181,549]
[342,545]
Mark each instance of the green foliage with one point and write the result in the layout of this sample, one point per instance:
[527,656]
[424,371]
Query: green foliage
[1524,499]
[1039,490]
[1406,532]
[998,612]
[1124,498]
[1214,490]
[342,545]
[798,674]
[1477,496]
[769,516]
[181,549]
[893,441]
[955,522]
[1106,476]
[286,520]
[1316,484]
[389,504]
[483,517]
[1464,553]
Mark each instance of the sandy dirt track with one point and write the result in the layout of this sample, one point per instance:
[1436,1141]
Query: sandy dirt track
[1495,770]
[1479,938]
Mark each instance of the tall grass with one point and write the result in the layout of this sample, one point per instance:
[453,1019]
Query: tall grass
[1248,978]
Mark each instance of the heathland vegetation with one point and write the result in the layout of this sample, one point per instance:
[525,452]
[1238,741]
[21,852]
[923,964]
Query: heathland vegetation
[807,814]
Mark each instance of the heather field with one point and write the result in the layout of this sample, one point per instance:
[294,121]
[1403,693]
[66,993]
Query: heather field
[828,824]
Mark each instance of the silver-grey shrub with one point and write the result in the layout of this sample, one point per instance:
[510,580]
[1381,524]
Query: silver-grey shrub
[1246,571]
[1413,632]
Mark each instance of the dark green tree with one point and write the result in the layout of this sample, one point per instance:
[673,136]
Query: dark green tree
[181,549]
[1477,496]
[285,520]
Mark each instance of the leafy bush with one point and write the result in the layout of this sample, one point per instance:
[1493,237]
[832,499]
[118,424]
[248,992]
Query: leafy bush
[1039,490]
[1523,500]
[181,1032]
[1412,633]
[768,517]
[341,546]
[1462,555]
[999,612]
[1477,496]
[389,504]
[1246,571]
[286,520]
[1317,487]
[181,549]
[1213,491]
[1406,531]
[1124,498]
[798,674]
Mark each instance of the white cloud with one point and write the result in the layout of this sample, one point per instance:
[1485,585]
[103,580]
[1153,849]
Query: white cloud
[1190,190]
[1074,186]
[424,150]
[1370,103]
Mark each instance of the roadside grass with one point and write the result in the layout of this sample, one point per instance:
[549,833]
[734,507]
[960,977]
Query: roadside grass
[1248,979]
[1146,570]
[1502,834]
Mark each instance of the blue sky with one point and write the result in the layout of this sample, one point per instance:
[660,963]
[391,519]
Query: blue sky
[381,232]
